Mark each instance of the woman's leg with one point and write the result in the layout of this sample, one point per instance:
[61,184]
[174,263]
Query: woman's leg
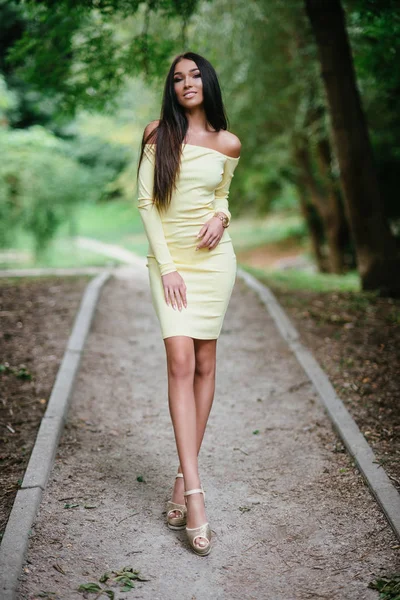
[184,410]
[204,387]
[204,383]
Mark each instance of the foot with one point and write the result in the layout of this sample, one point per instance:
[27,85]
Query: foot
[196,516]
[177,495]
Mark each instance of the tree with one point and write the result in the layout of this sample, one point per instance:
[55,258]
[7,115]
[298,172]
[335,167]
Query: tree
[377,252]
[81,53]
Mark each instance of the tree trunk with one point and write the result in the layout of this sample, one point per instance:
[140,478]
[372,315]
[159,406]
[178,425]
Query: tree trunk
[377,254]
[313,229]
[336,225]
[325,205]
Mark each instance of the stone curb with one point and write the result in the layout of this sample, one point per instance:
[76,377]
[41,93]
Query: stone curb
[15,540]
[379,483]
[49,272]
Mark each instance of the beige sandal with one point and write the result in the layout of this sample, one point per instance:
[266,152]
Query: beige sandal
[176,523]
[203,531]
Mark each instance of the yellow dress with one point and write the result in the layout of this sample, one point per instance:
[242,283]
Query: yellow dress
[202,189]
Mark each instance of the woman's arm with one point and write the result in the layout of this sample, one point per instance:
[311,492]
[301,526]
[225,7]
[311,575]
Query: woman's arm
[212,230]
[150,215]
[221,203]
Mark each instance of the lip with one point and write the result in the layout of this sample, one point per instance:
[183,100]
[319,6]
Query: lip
[189,94]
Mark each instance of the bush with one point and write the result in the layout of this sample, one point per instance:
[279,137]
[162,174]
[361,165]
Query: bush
[40,184]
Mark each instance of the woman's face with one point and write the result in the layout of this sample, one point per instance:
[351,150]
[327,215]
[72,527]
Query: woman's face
[188,84]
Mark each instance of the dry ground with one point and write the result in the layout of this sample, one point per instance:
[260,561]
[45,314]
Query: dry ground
[36,319]
[356,338]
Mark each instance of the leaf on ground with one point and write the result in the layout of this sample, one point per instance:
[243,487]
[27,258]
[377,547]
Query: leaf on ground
[69,505]
[128,574]
[59,568]
[124,578]
[23,373]
[140,478]
[256,431]
[388,587]
[90,506]
[89,587]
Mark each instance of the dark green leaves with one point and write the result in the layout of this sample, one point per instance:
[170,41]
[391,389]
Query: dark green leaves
[124,578]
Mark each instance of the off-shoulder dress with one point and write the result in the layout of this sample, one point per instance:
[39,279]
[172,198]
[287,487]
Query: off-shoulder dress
[202,189]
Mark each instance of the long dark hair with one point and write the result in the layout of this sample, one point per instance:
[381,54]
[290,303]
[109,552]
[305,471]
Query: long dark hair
[172,127]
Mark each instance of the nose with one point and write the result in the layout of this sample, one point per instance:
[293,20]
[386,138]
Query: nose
[187,81]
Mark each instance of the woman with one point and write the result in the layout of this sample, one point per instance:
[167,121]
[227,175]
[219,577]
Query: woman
[186,165]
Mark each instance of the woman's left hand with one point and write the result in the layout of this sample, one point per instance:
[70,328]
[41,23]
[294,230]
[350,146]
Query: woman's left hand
[211,232]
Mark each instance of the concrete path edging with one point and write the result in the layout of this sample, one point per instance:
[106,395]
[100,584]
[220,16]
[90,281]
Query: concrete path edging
[15,540]
[375,476]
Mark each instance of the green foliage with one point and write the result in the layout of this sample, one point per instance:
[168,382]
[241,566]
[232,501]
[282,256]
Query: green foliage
[374,28]
[388,587]
[20,372]
[8,100]
[39,184]
[82,52]
[104,160]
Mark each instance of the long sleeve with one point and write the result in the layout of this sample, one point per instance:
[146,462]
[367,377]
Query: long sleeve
[150,215]
[222,191]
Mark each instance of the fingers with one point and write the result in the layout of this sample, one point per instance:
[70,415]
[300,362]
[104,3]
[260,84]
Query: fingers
[175,295]
[211,235]
[202,230]
[210,241]
[213,242]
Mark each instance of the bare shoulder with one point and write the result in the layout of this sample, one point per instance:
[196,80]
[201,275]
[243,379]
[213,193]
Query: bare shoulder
[229,144]
[149,129]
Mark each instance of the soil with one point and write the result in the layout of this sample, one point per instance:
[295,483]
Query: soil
[36,320]
[291,516]
[272,255]
[356,339]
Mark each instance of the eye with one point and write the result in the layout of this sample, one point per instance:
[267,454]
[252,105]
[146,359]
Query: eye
[197,75]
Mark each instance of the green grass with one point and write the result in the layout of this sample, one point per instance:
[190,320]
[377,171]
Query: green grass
[292,279]
[62,253]
[110,222]
[251,233]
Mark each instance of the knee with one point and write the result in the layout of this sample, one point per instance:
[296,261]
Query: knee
[181,365]
[205,368]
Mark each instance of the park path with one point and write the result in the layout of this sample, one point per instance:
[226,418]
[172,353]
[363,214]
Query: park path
[292,518]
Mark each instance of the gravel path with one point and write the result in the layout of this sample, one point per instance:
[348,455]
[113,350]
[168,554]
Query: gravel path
[292,518]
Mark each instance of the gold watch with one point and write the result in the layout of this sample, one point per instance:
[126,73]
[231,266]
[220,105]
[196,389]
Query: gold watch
[223,218]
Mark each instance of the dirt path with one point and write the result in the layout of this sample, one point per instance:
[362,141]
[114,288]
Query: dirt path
[291,517]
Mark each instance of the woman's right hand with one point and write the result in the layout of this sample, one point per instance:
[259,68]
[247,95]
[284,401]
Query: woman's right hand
[174,290]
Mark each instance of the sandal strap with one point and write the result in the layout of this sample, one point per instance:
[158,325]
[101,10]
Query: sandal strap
[196,491]
[179,475]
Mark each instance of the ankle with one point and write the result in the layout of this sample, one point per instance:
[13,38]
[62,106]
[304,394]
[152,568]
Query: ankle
[192,483]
